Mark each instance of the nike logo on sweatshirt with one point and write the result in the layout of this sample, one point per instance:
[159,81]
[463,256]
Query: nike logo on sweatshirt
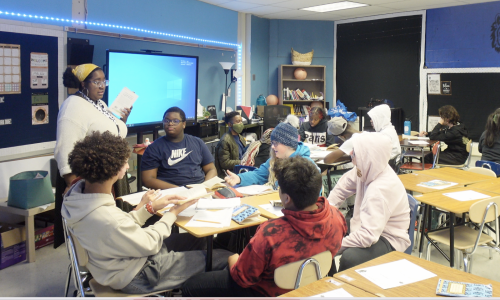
[177,156]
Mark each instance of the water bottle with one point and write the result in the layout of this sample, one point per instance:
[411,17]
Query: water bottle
[407,126]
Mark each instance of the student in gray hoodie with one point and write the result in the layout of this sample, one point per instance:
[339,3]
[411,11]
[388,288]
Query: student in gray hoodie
[122,254]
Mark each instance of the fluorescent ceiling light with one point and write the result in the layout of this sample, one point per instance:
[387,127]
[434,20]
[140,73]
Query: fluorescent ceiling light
[334,6]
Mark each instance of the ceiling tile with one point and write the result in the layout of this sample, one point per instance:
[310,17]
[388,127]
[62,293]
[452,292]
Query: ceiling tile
[364,11]
[216,2]
[289,14]
[263,10]
[297,4]
[238,5]
[320,17]
[262,2]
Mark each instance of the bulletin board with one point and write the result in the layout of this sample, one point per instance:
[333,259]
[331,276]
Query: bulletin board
[474,95]
[29,115]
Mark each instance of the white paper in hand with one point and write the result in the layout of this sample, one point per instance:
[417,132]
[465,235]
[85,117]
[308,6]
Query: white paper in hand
[125,99]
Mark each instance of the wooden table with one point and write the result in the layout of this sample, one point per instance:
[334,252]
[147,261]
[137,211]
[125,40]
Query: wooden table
[437,199]
[323,286]
[419,153]
[258,200]
[492,185]
[29,223]
[411,182]
[456,175]
[424,288]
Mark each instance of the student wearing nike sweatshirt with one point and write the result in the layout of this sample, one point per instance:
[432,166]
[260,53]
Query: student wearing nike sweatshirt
[316,130]
[310,225]
[283,144]
[177,159]
[381,215]
[123,255]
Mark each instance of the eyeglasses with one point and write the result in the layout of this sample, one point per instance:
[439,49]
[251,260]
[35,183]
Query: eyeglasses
[175,121]
[100,83]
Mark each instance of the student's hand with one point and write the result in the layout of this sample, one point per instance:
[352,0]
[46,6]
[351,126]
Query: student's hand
[177,209]
[125,113]
[231,260]
[232,179]
[166,200]
[150,195]
[423,133]
[441,121]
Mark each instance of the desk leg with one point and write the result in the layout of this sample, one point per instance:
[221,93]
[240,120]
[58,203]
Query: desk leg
[30,238]
[329,180]
[422,228]
[452,240]
[423,159]
[210,247]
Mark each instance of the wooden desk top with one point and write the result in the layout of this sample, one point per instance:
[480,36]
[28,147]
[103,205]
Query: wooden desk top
[255,201]
[323,286]
[437,199]
[424,288]
[411,181]
[492,185]
[456,175]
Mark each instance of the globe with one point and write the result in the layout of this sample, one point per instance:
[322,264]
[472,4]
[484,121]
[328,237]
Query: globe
[300,73]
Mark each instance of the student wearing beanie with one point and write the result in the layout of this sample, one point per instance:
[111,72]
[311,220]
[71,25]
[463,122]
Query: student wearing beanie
[283,144]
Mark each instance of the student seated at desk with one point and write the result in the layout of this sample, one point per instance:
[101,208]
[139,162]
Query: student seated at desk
[380,118]
[310,225]
[176,159]
[284,143]
[339,126]
[453,133]
[123,255]
[381,215]
[231,146]
[259,151]
[316,130]
[489,142]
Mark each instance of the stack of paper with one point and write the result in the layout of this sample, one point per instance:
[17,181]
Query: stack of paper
[207,218]
[466,195]
[211,184]
[135,199]
[437,184]
[254,189]
[273,209]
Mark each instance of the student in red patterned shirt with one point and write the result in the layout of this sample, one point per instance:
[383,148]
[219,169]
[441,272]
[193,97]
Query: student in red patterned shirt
[309,226]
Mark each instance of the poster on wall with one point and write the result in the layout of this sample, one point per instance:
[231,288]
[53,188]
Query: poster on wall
[434,84]
[39,64]
[446,88]
[10,69]
[39,108]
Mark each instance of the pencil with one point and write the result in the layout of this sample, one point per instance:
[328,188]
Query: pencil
[207,221]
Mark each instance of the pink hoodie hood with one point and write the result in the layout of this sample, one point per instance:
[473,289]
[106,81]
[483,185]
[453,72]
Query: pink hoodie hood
[372,151]
[381,116]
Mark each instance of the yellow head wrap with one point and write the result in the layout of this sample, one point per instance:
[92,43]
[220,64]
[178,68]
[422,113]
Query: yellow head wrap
[82,71]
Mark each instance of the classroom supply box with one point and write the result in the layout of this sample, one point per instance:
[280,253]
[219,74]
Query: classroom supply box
[44,237]
[12,245]
[30,189]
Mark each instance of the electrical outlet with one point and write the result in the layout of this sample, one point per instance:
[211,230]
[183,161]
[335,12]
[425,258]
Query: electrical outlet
[2,99]
[8,121]
[2,122]
[253,77]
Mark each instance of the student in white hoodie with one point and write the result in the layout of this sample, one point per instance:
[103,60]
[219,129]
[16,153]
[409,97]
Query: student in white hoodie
[381,121]
[381,215]
[123,255]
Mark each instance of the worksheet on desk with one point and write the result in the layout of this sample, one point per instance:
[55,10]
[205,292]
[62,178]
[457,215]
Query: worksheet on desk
[273,209]
[338,293]
[466,195]
[396,273]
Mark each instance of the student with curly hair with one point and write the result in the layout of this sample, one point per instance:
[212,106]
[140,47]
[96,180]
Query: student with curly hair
[489,142]
[122,254]
[310,225]
[232,145]
[81,114]
[453,133]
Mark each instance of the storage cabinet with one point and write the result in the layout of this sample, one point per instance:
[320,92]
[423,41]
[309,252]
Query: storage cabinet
[314,83]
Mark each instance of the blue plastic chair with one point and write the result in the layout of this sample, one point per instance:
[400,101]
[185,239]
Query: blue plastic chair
[242,169]
[413,216]
[495,167]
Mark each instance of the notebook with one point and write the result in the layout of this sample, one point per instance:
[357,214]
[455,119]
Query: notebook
[463,289]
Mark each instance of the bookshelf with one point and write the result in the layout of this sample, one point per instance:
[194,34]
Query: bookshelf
[314,83]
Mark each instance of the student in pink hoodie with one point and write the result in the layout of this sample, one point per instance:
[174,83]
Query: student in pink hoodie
[381,211]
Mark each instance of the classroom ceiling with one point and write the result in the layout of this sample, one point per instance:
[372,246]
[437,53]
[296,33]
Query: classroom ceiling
[290,9]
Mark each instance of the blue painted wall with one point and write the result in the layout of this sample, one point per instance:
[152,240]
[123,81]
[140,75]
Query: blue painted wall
[459,36]
[49,8]
[259,55]
[302,36]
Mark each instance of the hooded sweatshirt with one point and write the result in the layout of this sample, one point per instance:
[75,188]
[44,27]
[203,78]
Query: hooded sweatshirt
[116,244]
[381,117]
[295,236]
[456,139]
[381,205]
[316,135]
[261,175]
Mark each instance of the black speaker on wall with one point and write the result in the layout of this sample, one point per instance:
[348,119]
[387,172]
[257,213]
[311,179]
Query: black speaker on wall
[79,51]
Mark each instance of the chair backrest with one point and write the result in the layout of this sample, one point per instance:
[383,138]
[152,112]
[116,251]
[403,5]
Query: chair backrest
[435,152]
[495,167]
[413,216]
[303,272]
[468,147]
[77,255]
[477,210]
[482,171]
[274,114]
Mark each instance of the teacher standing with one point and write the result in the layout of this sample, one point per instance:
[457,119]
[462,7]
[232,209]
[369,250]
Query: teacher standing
[80,115]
